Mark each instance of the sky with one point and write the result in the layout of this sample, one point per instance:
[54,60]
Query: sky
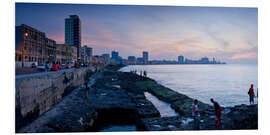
[226,33]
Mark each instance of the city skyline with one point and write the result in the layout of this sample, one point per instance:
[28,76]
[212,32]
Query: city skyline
[228,34]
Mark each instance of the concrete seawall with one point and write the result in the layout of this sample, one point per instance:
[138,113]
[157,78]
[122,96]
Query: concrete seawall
[36,94]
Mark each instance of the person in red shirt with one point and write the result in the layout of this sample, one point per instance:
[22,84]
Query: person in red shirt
[251,94]
[218,110]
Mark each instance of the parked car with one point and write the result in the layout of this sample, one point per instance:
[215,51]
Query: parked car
[41,67]
[54,67]
[48,66]
[34,65]
[77,65]
[70,65]
[62,66]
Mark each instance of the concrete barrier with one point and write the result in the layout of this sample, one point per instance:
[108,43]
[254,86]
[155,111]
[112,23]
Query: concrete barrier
[37,94]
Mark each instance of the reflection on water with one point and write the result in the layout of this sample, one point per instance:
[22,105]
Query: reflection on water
[163,107]
[117,128]
[228,84]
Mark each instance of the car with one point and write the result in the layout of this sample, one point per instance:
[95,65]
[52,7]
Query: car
[48,66]
[62,66]
[41,67]
[54,67]
[77,65]
[34,65]
[70,65]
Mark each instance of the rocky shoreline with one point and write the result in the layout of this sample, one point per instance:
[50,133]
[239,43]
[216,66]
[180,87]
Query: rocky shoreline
[120,100]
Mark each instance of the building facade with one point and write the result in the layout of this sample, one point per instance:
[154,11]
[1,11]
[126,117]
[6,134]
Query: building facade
[73,32]
[131,60]
[145,57]
[115,55]
[50,50]
[32,46]
[61,54]
[106,57]
[181,59]
[86,54]
[73,54]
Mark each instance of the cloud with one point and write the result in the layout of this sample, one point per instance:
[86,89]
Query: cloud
[249,55]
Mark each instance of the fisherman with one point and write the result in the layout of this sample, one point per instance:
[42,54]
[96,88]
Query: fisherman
[251,94]
[218,110]
[196,115]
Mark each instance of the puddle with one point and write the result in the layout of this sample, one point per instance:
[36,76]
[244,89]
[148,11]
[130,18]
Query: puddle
[163,107]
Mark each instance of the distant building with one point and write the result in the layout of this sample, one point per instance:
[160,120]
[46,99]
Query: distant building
[50,50]
[131,60]
[145,57]
[73,32]
[86,54]
[204,60]
[61,53]
[181,59]
[214,61]
[140,60]
[32,46]
[106,57]
[73,54]
[119,60]
[115,55]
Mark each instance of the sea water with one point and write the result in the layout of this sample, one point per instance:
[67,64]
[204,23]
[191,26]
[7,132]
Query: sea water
[226,83]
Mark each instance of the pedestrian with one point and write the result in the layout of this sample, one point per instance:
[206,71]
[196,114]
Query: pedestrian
[144,73]
[196,115]
[141,73]
[87,88]
[218,110]
[251,94]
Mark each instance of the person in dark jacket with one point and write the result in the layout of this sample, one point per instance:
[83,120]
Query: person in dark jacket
[218,110]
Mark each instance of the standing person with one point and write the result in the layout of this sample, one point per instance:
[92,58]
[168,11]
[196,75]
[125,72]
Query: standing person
[87,88]
[196,115]
[144,73]
[251,94]
[218,110]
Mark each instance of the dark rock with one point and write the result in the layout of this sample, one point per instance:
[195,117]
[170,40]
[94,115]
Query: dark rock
[162,124]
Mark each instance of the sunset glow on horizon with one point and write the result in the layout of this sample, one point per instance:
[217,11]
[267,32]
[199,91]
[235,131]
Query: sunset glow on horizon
[226,33]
